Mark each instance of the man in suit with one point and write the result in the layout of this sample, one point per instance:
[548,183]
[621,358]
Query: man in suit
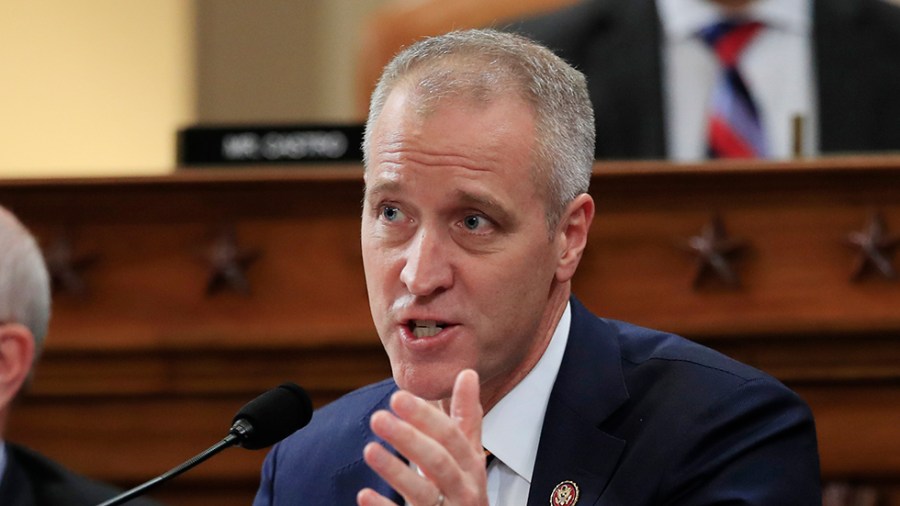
[26,477]
[479,149]
[650,75]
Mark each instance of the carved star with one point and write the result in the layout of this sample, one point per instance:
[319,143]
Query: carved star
[876,248]
[229,263]
[714,250]
[846,494]
[65,267]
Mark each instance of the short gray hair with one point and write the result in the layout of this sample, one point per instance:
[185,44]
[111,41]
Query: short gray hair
[483,64]
[24,281]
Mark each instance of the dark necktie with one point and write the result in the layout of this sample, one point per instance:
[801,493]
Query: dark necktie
[734,129]
[488,457]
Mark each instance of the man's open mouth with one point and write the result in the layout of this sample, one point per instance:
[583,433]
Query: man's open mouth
[425,328]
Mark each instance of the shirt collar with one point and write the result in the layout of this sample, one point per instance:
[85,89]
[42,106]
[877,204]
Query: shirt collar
[511,430]
[681,19]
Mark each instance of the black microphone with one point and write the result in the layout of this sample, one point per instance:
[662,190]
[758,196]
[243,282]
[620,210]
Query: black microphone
[272,416]
[262,422]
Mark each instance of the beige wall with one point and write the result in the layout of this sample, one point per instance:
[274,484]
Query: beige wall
[100,87]
[278,61]
[93,87]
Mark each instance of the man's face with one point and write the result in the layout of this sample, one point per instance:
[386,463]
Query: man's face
[460,266]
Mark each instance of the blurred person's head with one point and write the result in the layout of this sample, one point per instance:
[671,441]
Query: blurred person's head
[24,308]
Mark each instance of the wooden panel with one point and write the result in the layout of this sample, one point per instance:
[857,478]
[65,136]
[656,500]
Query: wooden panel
[126,417]
[146,369]
[857,425]
[151,237]
[795,274]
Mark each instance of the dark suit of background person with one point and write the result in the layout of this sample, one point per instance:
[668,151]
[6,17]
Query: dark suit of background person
[28,478]
[636,417]
[31,479]
[617,44]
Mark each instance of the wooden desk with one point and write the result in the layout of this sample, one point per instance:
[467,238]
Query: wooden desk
[146,369]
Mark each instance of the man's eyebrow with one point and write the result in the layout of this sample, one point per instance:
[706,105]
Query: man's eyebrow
[389,186]
[487,203]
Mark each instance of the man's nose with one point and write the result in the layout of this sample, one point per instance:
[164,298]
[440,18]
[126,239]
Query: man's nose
[427,270]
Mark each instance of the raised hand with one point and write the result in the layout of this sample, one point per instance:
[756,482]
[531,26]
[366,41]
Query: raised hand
[445,445]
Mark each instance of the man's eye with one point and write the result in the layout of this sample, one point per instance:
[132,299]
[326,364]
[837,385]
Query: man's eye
[391,213]
[474,222]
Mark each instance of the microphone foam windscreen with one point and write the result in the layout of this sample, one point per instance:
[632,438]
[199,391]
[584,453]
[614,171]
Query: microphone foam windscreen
[275,415]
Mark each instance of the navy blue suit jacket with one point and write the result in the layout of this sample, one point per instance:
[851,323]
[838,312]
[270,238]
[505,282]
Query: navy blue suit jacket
[636,417]
[616,43]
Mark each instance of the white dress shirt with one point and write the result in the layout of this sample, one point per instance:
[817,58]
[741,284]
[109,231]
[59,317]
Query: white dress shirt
[777,66]
[512,428]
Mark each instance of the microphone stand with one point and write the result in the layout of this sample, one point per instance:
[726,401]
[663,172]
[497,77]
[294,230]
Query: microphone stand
[238,432]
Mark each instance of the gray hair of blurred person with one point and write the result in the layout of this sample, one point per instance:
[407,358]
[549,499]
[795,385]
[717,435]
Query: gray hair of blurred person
[24,281]
[480,65]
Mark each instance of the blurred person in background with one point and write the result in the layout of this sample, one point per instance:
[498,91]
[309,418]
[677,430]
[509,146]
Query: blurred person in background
[26,477]
[691,80]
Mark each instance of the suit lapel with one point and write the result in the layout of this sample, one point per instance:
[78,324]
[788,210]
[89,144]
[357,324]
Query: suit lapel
[623,64]
[15,486]
[356,475]
[589,387]
[845,110]
[616,44]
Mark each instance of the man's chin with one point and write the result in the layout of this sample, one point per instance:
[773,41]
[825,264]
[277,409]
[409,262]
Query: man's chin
[428,386]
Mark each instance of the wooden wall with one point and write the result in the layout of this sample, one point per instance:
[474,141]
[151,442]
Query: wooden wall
[145,365]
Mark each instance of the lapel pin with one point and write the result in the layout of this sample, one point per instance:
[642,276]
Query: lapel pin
[564,494]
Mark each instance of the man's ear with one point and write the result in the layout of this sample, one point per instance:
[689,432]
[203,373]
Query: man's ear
[16,356]
[572,233]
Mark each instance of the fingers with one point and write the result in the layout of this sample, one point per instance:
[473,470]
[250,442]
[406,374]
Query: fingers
[399,475]
[465,406]
[369,497]
[459,434]
[433,460]
[427,437]
[445,449]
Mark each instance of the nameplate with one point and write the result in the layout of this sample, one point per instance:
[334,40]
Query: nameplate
[256,144]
